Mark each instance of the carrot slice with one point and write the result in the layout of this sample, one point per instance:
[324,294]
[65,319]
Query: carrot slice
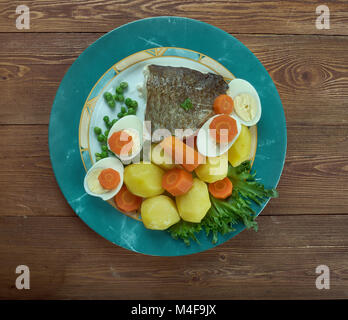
[109,179]
[120,143]
[127,201]
[221,189]
[223,128]
[181,153]
[177,181]
[223,104]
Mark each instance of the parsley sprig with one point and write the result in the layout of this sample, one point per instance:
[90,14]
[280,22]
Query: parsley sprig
[187,104]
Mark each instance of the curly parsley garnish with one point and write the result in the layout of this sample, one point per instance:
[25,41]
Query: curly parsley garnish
[187,104]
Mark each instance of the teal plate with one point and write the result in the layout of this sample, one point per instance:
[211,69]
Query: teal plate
[76,106]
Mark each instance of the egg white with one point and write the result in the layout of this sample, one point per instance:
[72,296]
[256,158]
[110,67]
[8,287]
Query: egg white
[93,181]
[206,144]
[238,86]
[128,122]
[110,162]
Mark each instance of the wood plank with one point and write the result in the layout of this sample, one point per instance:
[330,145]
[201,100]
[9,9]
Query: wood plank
[27,183]
[67,260]
[314,180]
[310,73]
[312,81]
[282,17]
[28,92]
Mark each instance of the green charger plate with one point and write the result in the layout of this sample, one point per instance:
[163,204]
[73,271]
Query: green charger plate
[71,143]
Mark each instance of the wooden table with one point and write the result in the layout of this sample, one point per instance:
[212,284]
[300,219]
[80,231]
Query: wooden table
[306,227]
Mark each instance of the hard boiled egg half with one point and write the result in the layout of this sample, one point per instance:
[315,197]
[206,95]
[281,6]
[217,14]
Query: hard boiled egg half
[92,183]
[125,137]
[207,144]
[247,104]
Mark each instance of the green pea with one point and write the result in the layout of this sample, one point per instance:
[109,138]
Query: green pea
[128,102]
[134,104]
[131,111]
[106,119]
[97,130]
[113,122]
[120,97]
[124,85]
[101,138]
[104,154]
[119,90]
[123,110]
[106,133]
[98,158]
[97,154]
[111,103]
[104,147]
[116,97]
[107,96]
[120,114]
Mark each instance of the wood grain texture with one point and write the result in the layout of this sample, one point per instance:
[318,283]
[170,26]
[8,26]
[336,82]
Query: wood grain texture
[27,183]
[281,17]
[314,181]
[68,260]
[312,81]
[306,227]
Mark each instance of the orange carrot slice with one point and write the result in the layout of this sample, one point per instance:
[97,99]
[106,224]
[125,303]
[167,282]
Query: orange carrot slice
[221,189]
[127,201]
[120,143]
[109,179]
[177,181]
[223,104]
[181,153]
[223,128]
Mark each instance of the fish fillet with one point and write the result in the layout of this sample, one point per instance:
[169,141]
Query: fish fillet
[167,87]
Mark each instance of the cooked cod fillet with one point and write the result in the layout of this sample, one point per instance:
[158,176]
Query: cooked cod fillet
[166,88]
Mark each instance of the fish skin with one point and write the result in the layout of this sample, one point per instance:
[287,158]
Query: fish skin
[167,87]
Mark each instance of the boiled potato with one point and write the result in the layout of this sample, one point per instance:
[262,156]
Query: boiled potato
[214,169]
[240,150]
[194,204]
[160,158]
[144,179]
[159,213]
